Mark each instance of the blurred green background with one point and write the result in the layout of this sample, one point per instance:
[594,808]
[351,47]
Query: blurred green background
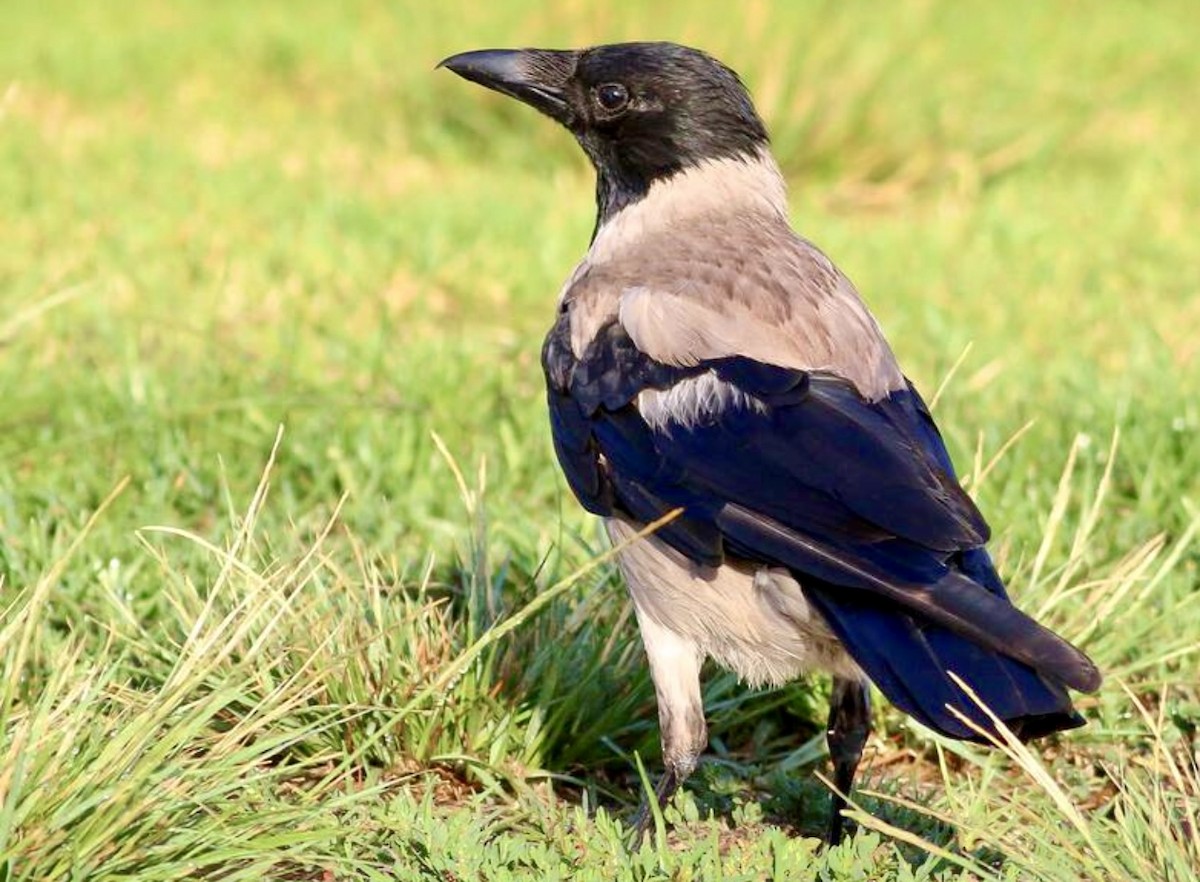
[219,218]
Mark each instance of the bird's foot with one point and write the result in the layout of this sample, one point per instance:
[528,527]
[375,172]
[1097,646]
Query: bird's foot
[644,819]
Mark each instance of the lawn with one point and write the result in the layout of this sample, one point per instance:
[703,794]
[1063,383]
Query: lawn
[290,586]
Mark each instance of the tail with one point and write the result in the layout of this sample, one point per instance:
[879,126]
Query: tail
[908,659]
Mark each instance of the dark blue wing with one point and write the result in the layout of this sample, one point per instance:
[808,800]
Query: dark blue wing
[858,498]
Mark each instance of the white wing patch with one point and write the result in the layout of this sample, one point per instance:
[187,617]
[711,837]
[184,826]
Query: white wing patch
[692,402]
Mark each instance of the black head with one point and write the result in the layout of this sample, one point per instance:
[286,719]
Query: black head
[641,111]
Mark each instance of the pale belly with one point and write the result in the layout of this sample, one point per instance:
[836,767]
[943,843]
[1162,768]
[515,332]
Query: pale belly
[754,621]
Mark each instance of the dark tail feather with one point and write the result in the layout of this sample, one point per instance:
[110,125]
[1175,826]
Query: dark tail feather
[908,662]
[946,597]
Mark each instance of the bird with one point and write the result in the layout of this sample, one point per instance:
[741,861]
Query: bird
[710,367]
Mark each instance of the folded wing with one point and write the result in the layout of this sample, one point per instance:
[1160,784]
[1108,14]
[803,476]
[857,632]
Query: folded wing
[858,498]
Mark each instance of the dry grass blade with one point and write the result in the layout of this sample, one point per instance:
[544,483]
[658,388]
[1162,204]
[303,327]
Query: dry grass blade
[455,669]
[949,377]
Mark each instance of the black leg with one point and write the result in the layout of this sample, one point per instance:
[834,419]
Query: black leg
[663,791]
[846,735]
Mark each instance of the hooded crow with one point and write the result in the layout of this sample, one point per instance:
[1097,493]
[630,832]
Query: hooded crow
[707,360]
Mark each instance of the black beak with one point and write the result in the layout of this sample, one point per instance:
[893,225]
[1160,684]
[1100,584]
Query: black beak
[537,77]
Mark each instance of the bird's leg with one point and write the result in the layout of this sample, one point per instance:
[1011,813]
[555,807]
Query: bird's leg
[846,735]
[667,784]
[675,668]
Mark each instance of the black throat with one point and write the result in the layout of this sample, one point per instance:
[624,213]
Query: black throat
[617,189]
[625,172]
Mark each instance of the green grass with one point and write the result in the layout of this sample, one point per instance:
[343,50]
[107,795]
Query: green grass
[291,587]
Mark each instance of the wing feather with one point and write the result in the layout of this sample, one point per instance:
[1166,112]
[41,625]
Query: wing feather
[855,494]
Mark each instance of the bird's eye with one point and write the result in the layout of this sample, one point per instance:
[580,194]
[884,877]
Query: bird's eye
[612,96]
